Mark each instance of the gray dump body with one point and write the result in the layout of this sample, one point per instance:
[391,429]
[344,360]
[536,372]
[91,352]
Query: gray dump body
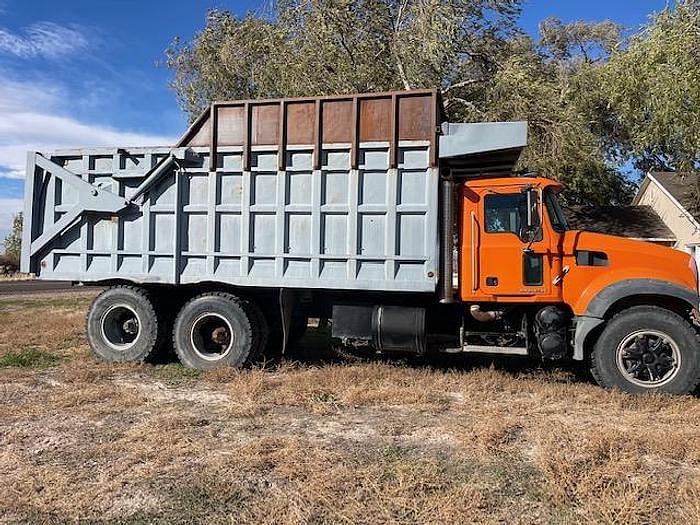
[294,200]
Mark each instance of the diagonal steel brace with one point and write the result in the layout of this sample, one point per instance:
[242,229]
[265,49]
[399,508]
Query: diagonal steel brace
[90,199]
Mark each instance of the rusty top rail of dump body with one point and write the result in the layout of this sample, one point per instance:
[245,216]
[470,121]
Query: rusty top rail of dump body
[315,121]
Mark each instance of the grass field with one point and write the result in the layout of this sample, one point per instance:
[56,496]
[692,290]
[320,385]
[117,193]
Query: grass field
[311,440]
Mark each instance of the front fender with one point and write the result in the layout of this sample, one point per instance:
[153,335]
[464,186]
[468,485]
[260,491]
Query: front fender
[605,298]
[591,292]
[601,303]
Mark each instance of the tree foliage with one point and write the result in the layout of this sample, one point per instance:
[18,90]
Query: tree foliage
[589,115]
[13,241]
[548,84]
[319,47]
[652,89]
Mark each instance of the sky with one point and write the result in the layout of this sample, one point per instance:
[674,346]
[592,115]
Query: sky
[89,72]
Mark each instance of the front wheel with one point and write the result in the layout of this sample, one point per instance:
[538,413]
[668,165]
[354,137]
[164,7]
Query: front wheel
[647,349]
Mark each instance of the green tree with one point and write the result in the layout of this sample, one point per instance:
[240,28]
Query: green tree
[652,91]
[319,47]
[473,50]
[13,241]
[550,84]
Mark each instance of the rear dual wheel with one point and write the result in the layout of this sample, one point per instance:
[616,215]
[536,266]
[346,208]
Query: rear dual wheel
[218,329]
[212,330]
[123,324]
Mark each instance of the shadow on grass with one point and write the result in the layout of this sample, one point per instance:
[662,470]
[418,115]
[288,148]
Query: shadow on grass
[316,348]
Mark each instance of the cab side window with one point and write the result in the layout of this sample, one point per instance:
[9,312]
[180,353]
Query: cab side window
[504,213]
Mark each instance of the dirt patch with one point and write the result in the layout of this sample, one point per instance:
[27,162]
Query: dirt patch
[157,392]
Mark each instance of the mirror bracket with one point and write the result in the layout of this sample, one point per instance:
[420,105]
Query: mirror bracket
[533,224]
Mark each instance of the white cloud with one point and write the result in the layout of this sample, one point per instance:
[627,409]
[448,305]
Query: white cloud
[27,131]
[14,94]
[43,39]
[32,119]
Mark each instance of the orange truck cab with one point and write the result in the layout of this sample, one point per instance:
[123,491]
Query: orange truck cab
[527,284]
[627,305]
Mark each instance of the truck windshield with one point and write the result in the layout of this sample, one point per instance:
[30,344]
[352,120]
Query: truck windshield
[556,214]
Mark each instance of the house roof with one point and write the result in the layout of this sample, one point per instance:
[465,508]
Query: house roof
[684,187]
[637,222]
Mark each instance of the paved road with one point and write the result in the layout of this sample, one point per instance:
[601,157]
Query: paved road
[38,287]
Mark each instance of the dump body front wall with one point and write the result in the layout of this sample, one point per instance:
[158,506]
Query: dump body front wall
[370,228]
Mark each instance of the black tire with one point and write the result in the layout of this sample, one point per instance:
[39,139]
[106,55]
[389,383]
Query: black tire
[215,330]
[167,302]
[647,349]
[122,325]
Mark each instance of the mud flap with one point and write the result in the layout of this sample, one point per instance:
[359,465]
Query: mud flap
[287,300]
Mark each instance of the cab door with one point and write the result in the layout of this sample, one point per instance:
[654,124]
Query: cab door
[507,261]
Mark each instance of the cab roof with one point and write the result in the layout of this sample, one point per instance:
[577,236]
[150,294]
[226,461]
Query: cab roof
[500,182]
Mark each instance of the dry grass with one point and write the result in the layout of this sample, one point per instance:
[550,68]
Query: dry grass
[16,277]
[308,441]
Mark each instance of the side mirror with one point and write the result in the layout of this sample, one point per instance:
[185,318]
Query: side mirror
[532,222]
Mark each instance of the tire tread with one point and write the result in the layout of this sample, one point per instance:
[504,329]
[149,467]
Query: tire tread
[238,301]
[155,339]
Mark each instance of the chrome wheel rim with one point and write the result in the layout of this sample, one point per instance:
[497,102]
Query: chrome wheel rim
[648,358]
[211,336]
[120,326]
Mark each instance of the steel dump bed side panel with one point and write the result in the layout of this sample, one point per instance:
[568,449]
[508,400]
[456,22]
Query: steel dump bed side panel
[328,192]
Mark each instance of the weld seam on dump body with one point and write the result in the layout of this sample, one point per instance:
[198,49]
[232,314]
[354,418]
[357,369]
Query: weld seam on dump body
[370,228]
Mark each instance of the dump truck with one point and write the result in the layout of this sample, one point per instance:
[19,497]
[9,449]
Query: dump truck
[410,234]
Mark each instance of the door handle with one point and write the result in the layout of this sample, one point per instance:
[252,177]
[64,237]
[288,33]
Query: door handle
[474,253]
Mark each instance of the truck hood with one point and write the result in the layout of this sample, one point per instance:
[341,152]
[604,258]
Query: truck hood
[632,259]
